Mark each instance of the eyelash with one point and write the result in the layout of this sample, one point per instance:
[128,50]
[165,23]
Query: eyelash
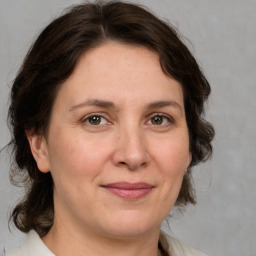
[86,119]
[169,119]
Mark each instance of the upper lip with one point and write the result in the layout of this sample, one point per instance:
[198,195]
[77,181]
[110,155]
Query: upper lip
[128,185]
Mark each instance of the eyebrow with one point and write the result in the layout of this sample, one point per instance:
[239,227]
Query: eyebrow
[109,104]
[165,103]
[93,102]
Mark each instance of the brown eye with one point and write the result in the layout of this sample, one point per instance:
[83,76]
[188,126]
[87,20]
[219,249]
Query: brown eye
[96,120]
[160,120]
[157,120]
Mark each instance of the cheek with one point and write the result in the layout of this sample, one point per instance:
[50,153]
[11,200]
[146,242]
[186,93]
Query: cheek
[172,158]
[76,155]
[74,165]
[173,155]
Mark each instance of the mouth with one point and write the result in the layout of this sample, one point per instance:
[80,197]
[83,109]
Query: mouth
[129,191]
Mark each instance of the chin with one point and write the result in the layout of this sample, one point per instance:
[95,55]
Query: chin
[131,224]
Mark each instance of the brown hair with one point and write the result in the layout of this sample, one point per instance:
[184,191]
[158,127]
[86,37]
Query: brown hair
[52,59]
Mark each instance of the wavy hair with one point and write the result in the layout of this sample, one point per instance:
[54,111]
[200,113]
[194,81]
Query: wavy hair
[52,59]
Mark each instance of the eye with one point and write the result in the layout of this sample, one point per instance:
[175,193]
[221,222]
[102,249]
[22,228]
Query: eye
[160,120]
[95,120]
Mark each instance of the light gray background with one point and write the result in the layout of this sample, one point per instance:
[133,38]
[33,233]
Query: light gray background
[223,38]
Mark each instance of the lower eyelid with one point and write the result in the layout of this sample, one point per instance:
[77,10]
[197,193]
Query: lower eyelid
[169,118]
[87,117]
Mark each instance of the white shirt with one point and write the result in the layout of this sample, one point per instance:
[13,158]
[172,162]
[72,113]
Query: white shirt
[32,245]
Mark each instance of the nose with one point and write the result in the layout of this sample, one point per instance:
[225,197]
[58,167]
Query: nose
[130,151]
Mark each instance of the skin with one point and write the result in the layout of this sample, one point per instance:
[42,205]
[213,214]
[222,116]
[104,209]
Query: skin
[117,118]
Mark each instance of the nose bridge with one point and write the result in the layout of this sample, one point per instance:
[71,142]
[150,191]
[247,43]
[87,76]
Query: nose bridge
[131,146]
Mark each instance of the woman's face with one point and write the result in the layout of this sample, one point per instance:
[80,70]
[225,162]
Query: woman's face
[118,143]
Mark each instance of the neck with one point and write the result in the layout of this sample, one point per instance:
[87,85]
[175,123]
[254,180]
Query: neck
[65,242]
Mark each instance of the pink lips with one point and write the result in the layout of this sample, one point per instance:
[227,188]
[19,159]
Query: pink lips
[129,191]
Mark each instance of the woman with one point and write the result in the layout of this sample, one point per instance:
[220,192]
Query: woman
[106,114]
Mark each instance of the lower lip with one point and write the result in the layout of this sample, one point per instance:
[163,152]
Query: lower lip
[130,194]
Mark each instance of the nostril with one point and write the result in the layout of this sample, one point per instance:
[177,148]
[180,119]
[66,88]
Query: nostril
[131,166]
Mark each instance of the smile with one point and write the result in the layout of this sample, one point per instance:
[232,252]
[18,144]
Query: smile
[130,191]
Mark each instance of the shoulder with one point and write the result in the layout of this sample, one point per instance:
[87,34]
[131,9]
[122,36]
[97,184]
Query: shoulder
[15,252]
[32,245]
[176,248]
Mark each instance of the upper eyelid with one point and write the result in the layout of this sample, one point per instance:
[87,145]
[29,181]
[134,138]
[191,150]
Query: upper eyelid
[85,118]
[95,114]
[160,114]
[107,116]
[169,122]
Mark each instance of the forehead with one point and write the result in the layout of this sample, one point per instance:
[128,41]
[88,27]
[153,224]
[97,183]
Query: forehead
[120,59]
[121,72]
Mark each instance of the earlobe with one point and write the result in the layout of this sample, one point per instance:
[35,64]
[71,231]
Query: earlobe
[189,160]
[38,147]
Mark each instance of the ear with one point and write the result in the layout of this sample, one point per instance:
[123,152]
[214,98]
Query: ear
[38,147]
[189,160]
